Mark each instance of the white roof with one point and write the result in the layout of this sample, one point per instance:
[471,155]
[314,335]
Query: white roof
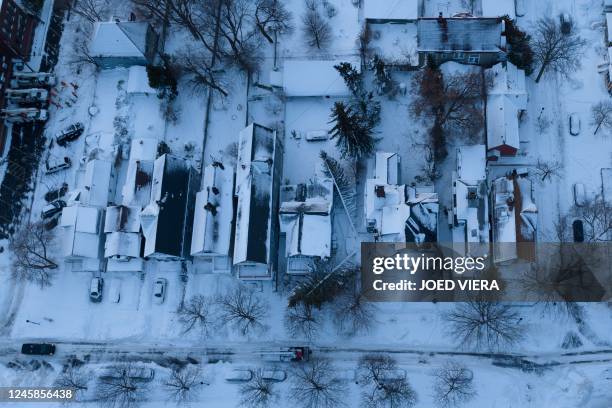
[124,244]
[391,9]
[148,216]
[315,77]
[393,220]
[81,231]
[387,167]
[138,81]
[471,163]
[310,237]
[508,80]
[97,183]
[211,233]
[110,40]
[502,122]
[122,218]
[498,8]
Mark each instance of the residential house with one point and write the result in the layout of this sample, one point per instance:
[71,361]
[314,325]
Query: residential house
[167,220]
[306,223]
[258,174]
[82,241]
[123,44]
[137,188]
[98,186]
[123,243]
[467,40]
[506,103]
[214,216]
[470,224]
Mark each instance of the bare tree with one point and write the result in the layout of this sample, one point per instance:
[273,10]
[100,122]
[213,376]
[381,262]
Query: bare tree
[184,384]
[548,169]
[244,310]
[271,16]
[353,313]
[74,378]
[488,325]
[453,385]
[203,74]
[197,313]
[596,215]
[31,251]
[92,10]
[119,387]
[258,393]
[602,115]
[384,385]
[313,385]
[301,321]
[317,31]
[556,47]
[240,34]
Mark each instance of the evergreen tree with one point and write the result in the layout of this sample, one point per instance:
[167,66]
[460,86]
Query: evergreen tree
[519,50]
[353,137]
[352,77]
[383,78]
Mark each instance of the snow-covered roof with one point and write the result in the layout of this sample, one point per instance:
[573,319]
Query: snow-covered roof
[122,244]
[166,221]
[394,43]
[391,9]
[387,167]
[214,212]
[310,77]
[138,81]
[122,228]
[422,225]
[81,231]
[255,183]
[471,163]
[502,122]
[122,218]
[460,34]
[119,39]
[97,185]
[307,224]
[507,79]
[498,8]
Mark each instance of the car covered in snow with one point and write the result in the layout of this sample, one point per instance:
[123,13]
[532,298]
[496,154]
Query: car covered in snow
[579,194]
[159,290]
[239,375]
[95,289]
[39,349]
[69,134]
[273,375]
[56,192]
[52,208]
[54,165]
[574,124]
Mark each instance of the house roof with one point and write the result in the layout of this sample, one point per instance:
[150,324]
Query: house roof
[254,185]
[460,34]
[124,244]
[119,39]
[471,163]
[81,231]
[387,167]
[310,77]
[97,183]
[502,122]
[391,9]
[166,221]
[507,79]
[212,232]
[122,218]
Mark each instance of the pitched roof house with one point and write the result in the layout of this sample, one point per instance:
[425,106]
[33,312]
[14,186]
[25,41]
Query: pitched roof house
[257,189]
[123,44]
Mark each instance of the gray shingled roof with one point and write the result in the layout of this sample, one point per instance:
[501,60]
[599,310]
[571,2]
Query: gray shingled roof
[459,34]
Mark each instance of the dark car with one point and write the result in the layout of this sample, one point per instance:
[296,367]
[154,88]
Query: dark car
[95,289]
[55,193]
[69,134]
[578,229]
[52,208]
[41,349]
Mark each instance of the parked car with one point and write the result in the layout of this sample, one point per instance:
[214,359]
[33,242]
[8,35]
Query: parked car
[69,134]
[574,124]
[239,375]
[578,229]
[159,290]
[55,165]
[579,194]
[57,192]
[52,208]
[144,374]
[95,289]
[40,349]
[274,375]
